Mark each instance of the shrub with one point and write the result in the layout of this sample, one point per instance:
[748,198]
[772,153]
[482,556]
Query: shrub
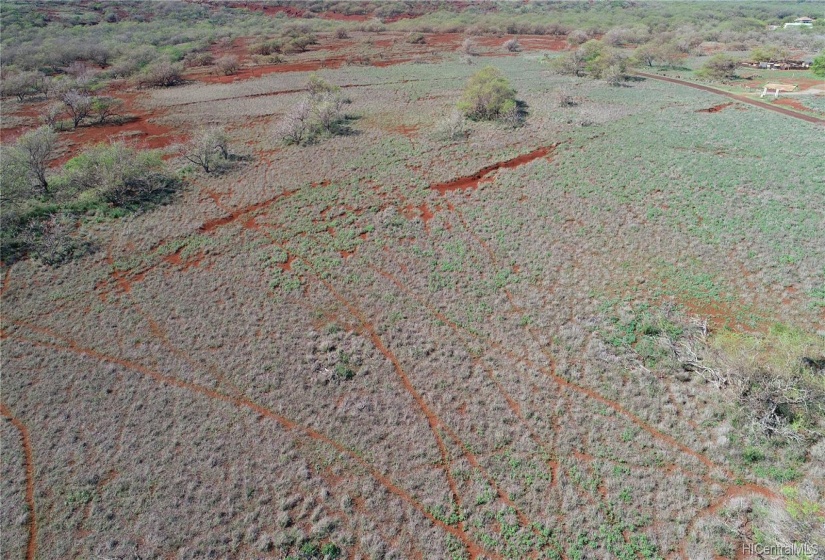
[416,39]
[468,47]
[341,33]
[300,43]
[578,37]
[512,45]
[453,127]
[195,59]
[818,66]
[161,74]
[487,95]
[51,240]
[719,67]
[118,174]
[228,65]
[267,48]
[321,112]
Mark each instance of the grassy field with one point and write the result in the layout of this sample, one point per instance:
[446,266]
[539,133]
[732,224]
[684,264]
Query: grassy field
[317,353]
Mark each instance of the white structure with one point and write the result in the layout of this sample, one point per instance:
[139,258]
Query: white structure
[801,22]
[776,89]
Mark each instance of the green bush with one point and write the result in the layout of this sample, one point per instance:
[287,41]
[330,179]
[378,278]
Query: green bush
[719,67]
[488,95]
[118,174]
[818,66]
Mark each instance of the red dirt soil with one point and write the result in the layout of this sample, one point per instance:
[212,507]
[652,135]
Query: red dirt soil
[716,108]
[472,181]
[796,104]
[31,546]
[212,225]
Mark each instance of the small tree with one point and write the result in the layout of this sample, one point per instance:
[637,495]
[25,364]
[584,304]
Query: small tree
[24,84]
[512,45]
[295,126]
[51,115]
[105,107]
[487,95]
[200,150]
[219,139]
[78,105]
[34,149]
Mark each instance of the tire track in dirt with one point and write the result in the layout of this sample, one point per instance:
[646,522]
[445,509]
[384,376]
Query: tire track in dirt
[473,548]
[429,413]
[511,403]
[742,98]
[31,545]
[590,393]
[731,490]
[288,91]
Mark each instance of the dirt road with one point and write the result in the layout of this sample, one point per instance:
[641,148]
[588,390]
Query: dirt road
[741,98]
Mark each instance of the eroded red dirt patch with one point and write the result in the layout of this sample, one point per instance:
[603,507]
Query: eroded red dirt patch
[715,108]
[472,181]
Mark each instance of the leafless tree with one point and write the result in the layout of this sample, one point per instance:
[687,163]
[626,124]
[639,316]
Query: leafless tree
[78,104]
[34,150]
[295,126]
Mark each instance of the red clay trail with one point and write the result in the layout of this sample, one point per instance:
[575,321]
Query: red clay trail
[741,98]
[212,225]
[473,548]
[31,547]
[472,181]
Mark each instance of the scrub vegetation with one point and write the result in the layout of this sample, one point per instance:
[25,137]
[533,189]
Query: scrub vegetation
[495,280]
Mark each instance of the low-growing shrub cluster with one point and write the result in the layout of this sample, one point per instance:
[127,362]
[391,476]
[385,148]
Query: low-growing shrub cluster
[40,208]
[489,96]
[595,59]
[319,114]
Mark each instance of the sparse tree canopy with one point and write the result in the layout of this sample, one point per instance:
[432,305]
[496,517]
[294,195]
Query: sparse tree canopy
[33,151]
[24,84]
[105,107]
[488,95]
[78,105]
